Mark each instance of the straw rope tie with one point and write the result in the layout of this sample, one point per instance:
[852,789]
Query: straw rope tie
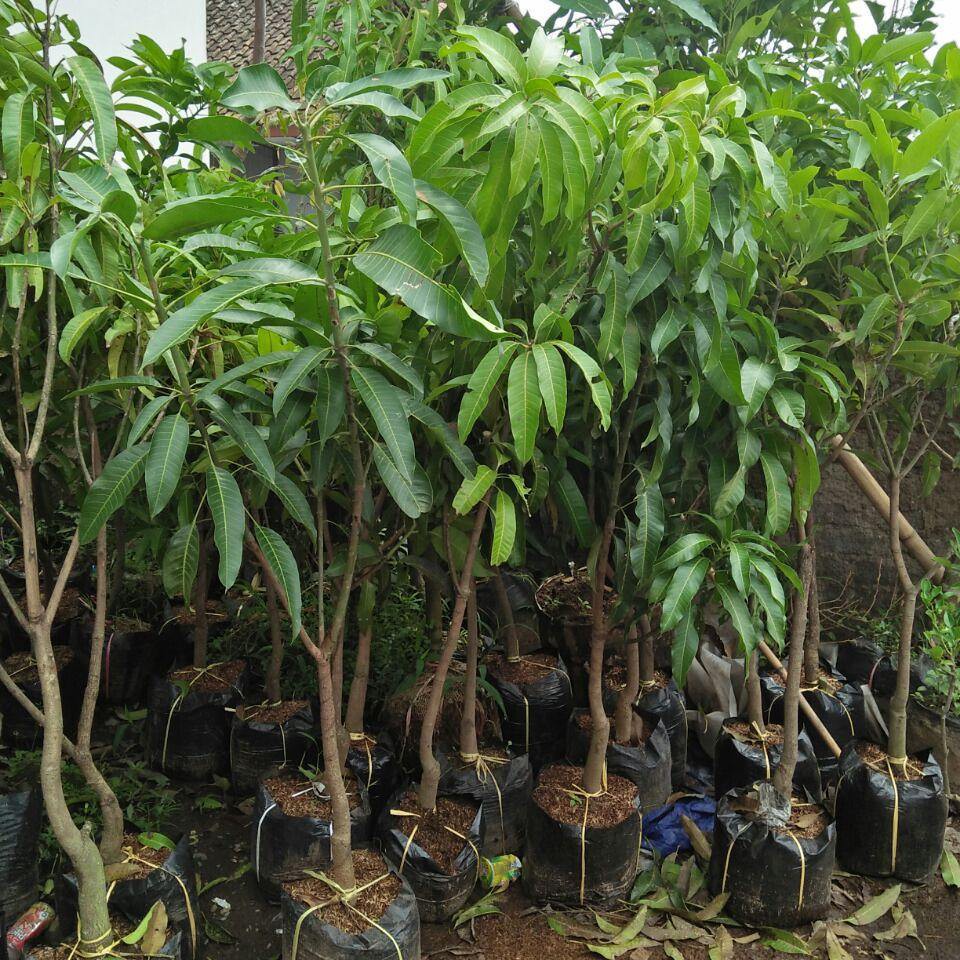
[482,764]
[365,740]
[176,703]
[413,833]
[895,823]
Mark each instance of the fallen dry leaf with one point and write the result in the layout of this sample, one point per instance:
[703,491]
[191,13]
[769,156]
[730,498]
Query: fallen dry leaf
[156,935]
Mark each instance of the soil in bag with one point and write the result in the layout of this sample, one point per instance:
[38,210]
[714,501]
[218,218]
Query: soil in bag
[188,726]
[661,698]
[501,783]
[381,922]
[437,853]
[175,944]
[132,653]
[838,704]
[776,876]
[581,850]
[742,757]
[644,762]
[292,826]
[20,820]
[67,626]
[148,873]
[890,819]
[374,763]
[265,736]
[537,700]
[19,729]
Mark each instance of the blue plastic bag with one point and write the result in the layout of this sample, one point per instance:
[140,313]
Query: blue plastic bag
[662,830]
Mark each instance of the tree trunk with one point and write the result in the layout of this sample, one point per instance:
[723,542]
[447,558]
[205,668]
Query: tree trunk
[341,866]
[259,31]
[648,662]
[506,615]
[783,775]
[811,648]
[272,680]
[201,626]
[623,718]
[754,697]
[897,720]
[77,843]
[945,710]
[357,702]
[469,748]
[430,778]
[336,667]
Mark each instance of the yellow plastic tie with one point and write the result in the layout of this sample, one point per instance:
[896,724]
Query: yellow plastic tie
[895,825]
[803,869]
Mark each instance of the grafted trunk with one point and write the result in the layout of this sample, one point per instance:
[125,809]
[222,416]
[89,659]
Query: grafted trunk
[430,778]
[754,696]
[623,718]
[783,775]
[897,719]
[272,680]
[506,616]
[811,647]
[468,718]
[201,626]
[357,702]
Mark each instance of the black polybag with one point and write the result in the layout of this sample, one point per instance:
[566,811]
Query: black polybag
[174,883]
[842,713]
[503,794]
[323,941]
[439,895]
[189,738]
[889,827]
[739,764]
[866,662]
[19,729]
[130,659]
[376,766]
[535,718]
[646,765]
[762,869]
[282,847]
[559,855]
[258,747]
[20,820]
[667,704]
[176,947]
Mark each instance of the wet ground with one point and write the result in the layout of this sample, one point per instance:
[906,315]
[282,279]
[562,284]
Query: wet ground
[242,926]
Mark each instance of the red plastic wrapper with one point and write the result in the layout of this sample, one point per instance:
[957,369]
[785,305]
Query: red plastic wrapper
[29,927]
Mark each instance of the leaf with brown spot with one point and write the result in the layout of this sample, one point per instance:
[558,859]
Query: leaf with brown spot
[876,907]
[905,926]
[156,935]
[672,951]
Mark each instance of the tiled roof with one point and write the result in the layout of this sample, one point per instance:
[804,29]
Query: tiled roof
[230,34]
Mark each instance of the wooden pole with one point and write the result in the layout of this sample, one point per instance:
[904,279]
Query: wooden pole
[866,481]
[808,711]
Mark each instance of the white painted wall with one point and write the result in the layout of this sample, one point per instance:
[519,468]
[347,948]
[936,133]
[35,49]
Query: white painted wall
[108,26]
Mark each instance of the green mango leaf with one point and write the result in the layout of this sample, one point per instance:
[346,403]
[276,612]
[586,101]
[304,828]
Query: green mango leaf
[391,168]
[384,402]
[75,330]
[97,95]
[110,490]
[504,529]
[683,587]
[18,126]
[258,88]
[244,434]
[164,462]
[552,383]
[295,502]
[301,365]
[180,561]
[284,566]
[226,507]
[461,224]
[414,496]
[524,403]
[180,217]
[473,489]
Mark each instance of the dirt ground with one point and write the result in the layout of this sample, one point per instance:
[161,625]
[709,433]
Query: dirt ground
[235,913]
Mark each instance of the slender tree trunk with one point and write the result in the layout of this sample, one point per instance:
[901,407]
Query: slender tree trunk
[430,778]
[944,741]
[357,702]
[623,718]
[647,658]
[272,681]
[754,696]
[783,775]
[201,626]
[77,843]
[811,648]
[434,597]
[259,31]
[468,719]
[897,720]
[506,615]
[336,667]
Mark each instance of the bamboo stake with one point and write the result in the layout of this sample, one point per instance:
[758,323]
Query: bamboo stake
[808,711]
[868,484]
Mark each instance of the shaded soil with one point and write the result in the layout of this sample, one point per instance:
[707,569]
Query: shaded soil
[153,858]
[297,796]
[570,597]
[128,625]
[372,901]
[556,795]
[210,679]
[529,669]
[745,731]
[23,668]
[585,722]
[278,713]
[432,835]
[187,616]
[877,757]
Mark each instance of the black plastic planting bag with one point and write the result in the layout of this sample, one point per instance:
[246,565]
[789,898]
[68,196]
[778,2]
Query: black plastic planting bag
[130,659]
[439,895]
[565,864]
[501,788]
[258,747]
[667,704]
[396,936]
[176,946]
[535,717]
[740,764]
[188,734]
[889,827]
[376,766]
[19,729]
[20,814]
[774,878]
[174,883]
[866,662]
[282,847]
[647,765]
